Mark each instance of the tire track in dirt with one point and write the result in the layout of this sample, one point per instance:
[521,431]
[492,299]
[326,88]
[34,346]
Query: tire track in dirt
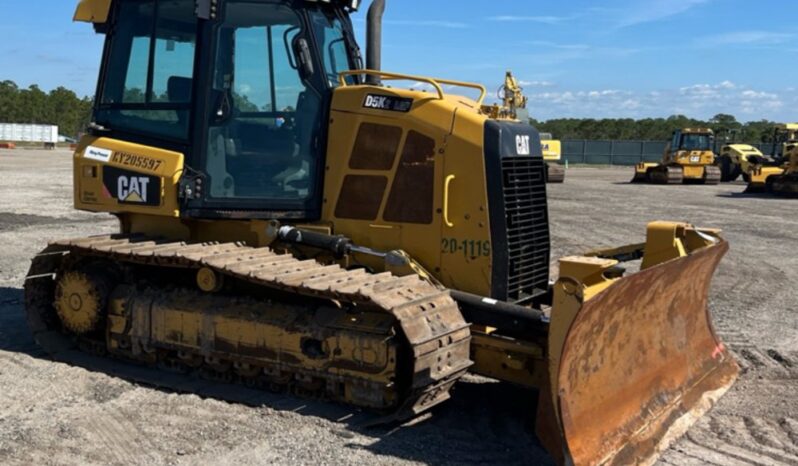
[735,433]
[122,442]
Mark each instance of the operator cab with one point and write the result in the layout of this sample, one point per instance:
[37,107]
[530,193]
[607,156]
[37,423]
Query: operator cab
[243,94]
[783,136]
[692,141]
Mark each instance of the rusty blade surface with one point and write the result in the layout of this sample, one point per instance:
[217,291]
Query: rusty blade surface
[642,362]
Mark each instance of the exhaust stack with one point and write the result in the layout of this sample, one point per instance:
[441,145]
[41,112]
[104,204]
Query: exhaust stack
[374,39]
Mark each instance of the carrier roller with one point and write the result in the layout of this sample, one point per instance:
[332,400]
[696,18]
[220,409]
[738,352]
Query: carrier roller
[395,345]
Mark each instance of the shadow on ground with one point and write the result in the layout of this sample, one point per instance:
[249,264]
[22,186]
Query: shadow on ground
[744,195]
[496,420]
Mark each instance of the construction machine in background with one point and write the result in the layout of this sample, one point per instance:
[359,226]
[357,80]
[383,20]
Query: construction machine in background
[317,231]
[688,157]
[782,181]
[552,154]
[736,160]
[784,136]
[514,107]
[757,167]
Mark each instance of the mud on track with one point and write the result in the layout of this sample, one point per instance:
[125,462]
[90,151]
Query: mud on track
[59,413]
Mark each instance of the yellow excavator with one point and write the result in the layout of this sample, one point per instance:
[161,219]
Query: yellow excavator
[289,221]
[688,157]
[785,140]
[514,107]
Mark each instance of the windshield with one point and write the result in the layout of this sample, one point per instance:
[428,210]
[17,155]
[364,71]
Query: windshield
[331,35]
[696,142]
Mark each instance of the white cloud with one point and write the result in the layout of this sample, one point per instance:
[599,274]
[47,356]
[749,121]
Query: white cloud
[428,23]
[647,11]
[746,38]
[536,83]
[530,19]
[630,104]
[706,91]
[698,100]
[546,43]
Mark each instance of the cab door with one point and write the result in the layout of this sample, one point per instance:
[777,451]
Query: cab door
[261,146]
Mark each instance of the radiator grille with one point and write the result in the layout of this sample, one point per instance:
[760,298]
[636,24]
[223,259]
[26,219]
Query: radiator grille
[526,217]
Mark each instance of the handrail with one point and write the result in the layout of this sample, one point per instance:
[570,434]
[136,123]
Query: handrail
[434,82]
[446,184]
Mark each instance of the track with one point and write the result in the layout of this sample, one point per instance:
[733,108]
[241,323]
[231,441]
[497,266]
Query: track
[437,337]
[666,175]
[712,174]
[555,173]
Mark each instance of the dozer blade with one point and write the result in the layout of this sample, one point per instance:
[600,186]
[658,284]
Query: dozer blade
[639,364]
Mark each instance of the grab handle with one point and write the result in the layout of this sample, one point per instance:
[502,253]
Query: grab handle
[446,184]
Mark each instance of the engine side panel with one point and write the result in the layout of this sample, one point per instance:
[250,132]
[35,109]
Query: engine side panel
[405,170]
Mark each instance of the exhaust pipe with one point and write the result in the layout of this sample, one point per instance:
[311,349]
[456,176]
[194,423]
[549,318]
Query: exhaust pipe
[374,40]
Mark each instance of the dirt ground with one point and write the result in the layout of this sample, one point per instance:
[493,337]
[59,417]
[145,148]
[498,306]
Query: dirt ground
[54,413]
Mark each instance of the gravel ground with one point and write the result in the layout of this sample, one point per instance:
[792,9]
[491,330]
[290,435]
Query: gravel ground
[53,413]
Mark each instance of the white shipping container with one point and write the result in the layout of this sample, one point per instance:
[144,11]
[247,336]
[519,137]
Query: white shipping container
[14,132]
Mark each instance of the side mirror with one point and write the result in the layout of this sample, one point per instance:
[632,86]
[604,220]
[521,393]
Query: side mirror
[303,57]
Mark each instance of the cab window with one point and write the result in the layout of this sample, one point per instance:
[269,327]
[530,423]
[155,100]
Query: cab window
[334,49]
[147,83]
[696,142]
[262,130]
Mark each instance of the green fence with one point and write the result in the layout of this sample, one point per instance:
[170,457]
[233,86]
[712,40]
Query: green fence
[623,152]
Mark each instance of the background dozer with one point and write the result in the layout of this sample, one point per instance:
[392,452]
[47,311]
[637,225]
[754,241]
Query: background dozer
[782,180]
[688,157]
[288,221]
[514,107]
[785,140]
[552,154]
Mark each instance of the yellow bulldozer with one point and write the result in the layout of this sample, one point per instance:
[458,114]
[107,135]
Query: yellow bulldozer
[688,158]
[552,154]
[781,180]
[288,220]
[514,107]
[785,140]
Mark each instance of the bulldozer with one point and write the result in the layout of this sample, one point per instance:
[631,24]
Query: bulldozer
[514,107]
[688,158]
[784,135]
[552,154]
[783,180]
[761,167]
[289,221]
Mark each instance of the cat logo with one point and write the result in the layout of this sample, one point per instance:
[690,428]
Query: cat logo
[522,144]
[129,187]
[132,189]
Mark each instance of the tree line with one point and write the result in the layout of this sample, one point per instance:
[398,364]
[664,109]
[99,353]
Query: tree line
[657,129]
[60,107]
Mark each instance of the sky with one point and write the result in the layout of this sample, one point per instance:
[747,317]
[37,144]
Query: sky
[574,58]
